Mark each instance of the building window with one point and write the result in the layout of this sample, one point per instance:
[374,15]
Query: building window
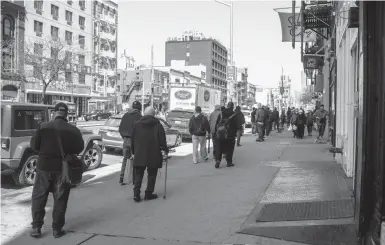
[54,32]
[82,41]
[69,17]
[68,77]
[54,53]
[81,59]
[38,49]
[68,56]
[82,22]
[38,28]
[82,4]
[7,28]
[55,12]
[38,5]
[68,37]
[177,80]
[82,78]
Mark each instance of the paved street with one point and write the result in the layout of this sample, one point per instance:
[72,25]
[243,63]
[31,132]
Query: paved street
[204,205]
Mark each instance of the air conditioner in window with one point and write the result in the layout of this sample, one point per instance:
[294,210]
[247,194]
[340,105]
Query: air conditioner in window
[39,34]
[82,27]
[55,17]
[69,23]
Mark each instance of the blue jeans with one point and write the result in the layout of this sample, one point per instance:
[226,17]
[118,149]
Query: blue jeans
[199,140]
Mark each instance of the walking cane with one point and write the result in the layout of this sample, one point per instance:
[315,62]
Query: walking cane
[209,145]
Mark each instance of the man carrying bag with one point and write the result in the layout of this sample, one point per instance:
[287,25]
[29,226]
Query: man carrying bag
[57,143]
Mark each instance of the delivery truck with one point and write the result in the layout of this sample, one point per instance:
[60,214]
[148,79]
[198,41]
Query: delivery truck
[184,99]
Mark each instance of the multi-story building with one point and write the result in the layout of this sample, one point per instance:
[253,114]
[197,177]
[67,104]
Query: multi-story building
[242,75]
[196,49]
[104,45]
[70,23]
[13,21]
[251,91]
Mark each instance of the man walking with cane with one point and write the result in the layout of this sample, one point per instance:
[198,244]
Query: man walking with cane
[148,143]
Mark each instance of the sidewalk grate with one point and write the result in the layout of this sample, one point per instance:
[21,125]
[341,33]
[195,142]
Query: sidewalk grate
[321,210]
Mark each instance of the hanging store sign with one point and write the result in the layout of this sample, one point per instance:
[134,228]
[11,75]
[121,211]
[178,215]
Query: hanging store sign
[310,62]
[288,31]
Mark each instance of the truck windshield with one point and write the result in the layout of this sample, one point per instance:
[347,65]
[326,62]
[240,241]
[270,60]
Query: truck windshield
[180,114]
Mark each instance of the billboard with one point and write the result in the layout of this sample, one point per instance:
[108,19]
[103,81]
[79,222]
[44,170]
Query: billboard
[208,98]
[182,98]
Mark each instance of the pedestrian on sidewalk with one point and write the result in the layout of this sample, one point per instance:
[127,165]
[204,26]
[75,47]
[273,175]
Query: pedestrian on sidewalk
[226,129]
[288,116]
[309,122]
[125,129]
[282,120]
[198,127]
[267,121]
[148,142]
[49,168]
[321,118]
[240,122]
[292,122]
[300,123]
[213,120]
[260,121]
[275,118]
[253,123]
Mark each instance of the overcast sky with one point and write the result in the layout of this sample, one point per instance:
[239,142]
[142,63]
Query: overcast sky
[257,34]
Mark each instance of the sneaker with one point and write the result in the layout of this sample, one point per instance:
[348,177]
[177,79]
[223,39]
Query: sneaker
[230,165]
[35,232]
[150,197]
[217,164]
[206,159]
[58,233]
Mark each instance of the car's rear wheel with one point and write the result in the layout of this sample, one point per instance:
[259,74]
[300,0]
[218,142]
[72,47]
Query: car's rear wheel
[178,140]
[92,157]
[26,174]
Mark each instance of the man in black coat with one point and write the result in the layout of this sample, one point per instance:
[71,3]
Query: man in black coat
[148,142]
[260,121]
[213,120]
[125,129]
[275,118]
[227,146]
[240,122]
[49,169]
[198,127]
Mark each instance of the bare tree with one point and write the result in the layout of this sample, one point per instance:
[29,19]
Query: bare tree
[47,61]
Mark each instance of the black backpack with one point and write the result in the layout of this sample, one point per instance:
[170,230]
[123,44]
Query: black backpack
[223,128]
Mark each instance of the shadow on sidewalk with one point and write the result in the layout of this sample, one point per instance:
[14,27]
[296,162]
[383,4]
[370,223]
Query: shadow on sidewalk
[309,201]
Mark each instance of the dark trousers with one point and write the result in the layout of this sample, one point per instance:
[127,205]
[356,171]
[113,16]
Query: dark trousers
[215,145]
[300,130]
[225,147]
[309,129]
[321,129]
[46,182]
[260,131]
[151,179]
[239,134]
[126,156]
[268,128]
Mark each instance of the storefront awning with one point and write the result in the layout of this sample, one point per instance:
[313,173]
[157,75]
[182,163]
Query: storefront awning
[101,99]
[57,93]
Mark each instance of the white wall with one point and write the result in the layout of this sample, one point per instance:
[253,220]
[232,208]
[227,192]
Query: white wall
[345,128]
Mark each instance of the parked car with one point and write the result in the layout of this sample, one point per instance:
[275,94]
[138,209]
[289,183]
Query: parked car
[247,115]
[180,119]
[112,139]
[97,115]
[18,124]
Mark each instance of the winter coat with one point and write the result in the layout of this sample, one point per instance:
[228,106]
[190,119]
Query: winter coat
[199,125]
[45,143]
[253,113]
[148,140]
[309,119]
[127,124]
[213,119]
[275,115]
[240,119]
[293,118]
[288,114]
[321,114]
[232,123]
[267,116]
[260,115]
[300,119]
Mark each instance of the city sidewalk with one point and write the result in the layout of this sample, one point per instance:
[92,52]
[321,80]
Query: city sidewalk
[205,205]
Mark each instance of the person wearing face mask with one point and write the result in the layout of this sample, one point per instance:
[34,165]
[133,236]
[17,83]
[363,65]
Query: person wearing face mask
[300,123]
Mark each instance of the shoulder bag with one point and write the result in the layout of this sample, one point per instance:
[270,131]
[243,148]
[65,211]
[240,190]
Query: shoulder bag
[72,168]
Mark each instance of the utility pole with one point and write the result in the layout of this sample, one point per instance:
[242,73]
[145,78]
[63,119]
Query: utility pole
[152,75]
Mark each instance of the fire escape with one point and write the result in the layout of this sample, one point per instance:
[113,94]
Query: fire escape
[316,17]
